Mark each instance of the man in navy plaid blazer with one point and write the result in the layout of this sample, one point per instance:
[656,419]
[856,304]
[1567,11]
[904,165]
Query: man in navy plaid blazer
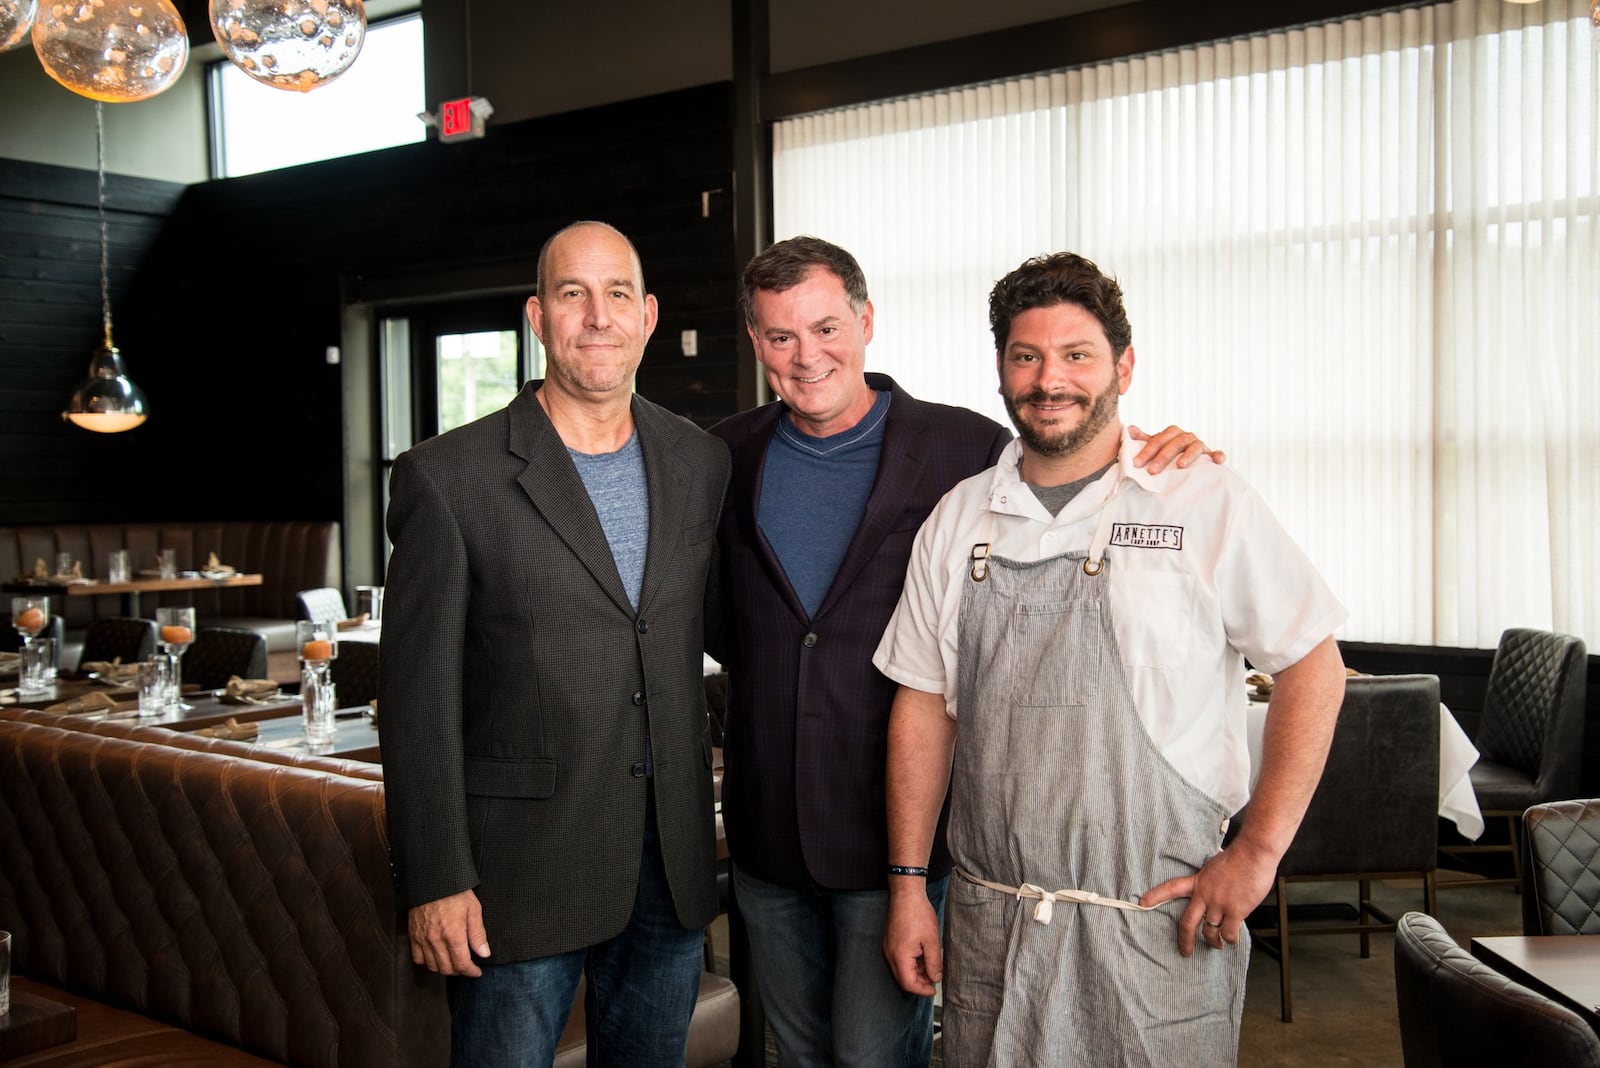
[830,484]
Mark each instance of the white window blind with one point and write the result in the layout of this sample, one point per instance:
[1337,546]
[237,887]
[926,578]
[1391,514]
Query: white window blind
[1363,257]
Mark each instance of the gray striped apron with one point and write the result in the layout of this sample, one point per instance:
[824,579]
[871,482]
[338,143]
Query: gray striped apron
[1057,786]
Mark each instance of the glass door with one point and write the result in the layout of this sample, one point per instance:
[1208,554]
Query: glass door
[442,366]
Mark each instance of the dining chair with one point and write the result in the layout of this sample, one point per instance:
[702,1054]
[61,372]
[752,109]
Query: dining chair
[1530,738]
[1374,815]
[1456,1010]
[118,637]
[1562,895]
[221,652]
[322,605]
[355,672]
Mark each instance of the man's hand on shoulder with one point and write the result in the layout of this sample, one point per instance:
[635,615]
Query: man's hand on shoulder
[447,932]
[1173,444]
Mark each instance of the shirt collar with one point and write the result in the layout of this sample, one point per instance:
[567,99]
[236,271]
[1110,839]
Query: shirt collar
[1009,495]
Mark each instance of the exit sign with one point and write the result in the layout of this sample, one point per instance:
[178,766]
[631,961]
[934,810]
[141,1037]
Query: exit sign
[463,118]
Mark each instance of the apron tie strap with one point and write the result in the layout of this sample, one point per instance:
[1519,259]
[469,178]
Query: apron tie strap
[1044,911]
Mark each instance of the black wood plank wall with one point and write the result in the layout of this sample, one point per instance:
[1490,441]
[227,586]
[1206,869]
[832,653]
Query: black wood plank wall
[237,297]
[50,325]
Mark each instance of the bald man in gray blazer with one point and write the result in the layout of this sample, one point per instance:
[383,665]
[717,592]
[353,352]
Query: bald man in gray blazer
[546,751]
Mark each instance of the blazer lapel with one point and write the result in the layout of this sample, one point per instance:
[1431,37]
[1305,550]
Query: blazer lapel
[900,464]
[667,476]
[552,483]
[744,496]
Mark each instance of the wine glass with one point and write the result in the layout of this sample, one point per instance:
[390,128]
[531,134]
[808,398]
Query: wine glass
[317,646]
[177,634]
[30,615]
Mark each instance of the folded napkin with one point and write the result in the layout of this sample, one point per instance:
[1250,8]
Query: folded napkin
[216,568]
[113,671]
[41,570]
[249,691]
[1260,680]
[9,661]
[352,624]
[233,729]
[372,712]
[89,702]
[68,577]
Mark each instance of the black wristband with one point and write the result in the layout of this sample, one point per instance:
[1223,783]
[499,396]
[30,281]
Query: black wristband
[901,869]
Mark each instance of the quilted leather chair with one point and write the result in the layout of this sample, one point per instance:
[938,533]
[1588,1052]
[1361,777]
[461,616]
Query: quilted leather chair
[219,652]
[323,605]
[119,637]
[1374,814]
[1563,865]
[1530,739]
[355,673]
[1456,1010]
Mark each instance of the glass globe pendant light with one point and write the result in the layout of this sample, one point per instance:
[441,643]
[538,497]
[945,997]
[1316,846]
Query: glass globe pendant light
[110,50]
[106,402]
[16,17]
[290,44]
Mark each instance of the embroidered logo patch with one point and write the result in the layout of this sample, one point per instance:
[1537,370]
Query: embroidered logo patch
[1146,536]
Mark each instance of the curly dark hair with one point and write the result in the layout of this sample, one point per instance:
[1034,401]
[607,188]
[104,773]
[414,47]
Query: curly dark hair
[786,264]
[1060,278]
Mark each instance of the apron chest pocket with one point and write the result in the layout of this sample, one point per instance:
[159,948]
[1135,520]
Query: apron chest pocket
[1055,651]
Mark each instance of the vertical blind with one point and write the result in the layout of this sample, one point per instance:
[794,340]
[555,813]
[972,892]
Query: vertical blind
[1363,257]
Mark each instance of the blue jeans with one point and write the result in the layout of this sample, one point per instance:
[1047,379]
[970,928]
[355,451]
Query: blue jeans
[641,993]
[829,994]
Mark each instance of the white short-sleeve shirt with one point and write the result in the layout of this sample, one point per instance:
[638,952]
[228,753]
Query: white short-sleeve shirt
[1201,575]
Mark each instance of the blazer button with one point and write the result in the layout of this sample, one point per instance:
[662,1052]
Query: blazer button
[643,627]
[638,697]
[638,770]
[809,640]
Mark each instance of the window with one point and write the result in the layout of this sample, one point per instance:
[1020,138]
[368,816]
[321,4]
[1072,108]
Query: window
[372,105]
[1363,257]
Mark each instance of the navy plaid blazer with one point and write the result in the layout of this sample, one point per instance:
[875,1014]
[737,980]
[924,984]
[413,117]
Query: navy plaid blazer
[805,739]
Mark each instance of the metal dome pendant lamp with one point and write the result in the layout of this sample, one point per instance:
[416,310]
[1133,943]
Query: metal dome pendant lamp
[106,402]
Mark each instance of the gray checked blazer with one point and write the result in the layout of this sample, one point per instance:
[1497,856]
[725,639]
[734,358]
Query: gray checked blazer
[518,685]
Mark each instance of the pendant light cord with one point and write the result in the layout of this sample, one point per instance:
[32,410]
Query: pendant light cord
[100,198]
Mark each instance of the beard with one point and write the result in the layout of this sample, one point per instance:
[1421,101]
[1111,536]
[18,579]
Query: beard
[1057,443]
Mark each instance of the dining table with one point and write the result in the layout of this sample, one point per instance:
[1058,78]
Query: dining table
[208,709]
[1563,967]
[1458,802]
[131,590]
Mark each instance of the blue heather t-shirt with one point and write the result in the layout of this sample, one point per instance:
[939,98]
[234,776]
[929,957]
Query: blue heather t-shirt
[616,485]
[813,494]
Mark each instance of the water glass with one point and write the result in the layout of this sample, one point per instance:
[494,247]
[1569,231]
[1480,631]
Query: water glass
[63,563]
[167,561]
[318,700]
[155,684]
[5,972]
[31,680]
[47,658]
[369,599]
[117,566]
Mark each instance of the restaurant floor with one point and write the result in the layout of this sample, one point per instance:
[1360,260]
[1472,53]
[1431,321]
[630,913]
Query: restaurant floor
[1344,1009]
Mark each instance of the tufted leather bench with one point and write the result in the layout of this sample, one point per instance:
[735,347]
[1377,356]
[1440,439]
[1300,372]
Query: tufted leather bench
[290,555]
[208,902]
[245,901]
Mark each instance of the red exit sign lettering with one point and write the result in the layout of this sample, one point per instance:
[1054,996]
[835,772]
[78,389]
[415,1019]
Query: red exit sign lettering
[455,119]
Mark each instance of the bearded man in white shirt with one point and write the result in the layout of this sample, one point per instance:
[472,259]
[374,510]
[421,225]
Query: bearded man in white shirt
[1070,651]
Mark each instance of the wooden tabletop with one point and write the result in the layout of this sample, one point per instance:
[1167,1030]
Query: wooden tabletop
[138,585]
[1563,967]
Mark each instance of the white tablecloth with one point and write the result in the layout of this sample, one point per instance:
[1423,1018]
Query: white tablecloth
[1457,801]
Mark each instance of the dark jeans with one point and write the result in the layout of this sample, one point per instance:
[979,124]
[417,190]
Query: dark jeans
[642,990]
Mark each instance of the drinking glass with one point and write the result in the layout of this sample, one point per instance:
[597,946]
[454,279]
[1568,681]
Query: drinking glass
[46,649]
[369,599]
[317,645]
[117,566]
[167,561]
[30,615]
[155,684]
[177,633]
[63,563]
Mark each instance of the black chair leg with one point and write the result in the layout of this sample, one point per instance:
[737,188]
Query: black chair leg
[1283,950]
